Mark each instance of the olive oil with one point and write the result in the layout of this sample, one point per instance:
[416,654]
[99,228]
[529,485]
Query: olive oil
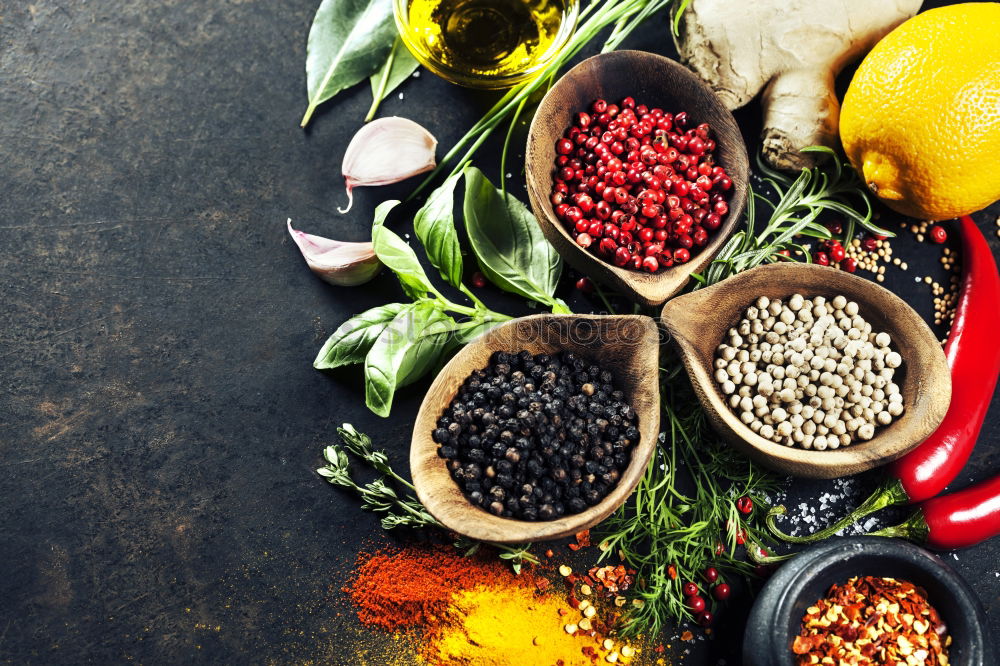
[486,43]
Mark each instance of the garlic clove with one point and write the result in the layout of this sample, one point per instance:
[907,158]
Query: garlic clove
[337,262]
[386,151]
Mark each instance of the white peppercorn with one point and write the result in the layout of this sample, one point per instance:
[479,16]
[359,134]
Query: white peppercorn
[815,350]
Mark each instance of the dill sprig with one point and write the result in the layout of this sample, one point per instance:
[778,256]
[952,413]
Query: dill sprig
[682,517]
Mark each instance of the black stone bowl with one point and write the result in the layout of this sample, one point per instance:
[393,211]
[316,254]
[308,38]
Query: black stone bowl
[776,616]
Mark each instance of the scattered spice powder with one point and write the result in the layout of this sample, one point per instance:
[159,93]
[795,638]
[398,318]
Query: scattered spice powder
[873,620]
[475,612]
[487,628]
[397,588]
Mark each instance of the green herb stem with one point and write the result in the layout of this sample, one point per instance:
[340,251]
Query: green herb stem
[383,80]
[506,146]
[608,12]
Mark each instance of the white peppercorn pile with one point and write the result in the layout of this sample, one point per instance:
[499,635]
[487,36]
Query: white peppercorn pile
[537,437]
[809,372]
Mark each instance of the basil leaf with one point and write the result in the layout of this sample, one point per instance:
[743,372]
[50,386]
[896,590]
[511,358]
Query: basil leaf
[404,351]
[434,225]
[397,255]
[352,340]
[348,41]
[507,241]
[465,332]
[469,331]
[398,67]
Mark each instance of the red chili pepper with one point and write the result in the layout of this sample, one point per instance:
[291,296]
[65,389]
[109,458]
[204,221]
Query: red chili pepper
[956,520]
[974,358]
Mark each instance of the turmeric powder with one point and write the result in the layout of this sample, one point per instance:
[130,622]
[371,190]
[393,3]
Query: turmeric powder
[487,627]
[459,611]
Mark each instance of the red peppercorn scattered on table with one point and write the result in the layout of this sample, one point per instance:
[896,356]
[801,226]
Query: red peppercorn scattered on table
[938,234]
[637,187]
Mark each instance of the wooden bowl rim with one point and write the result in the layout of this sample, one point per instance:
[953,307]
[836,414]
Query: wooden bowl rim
[441,496]
[648,289]
[927,376]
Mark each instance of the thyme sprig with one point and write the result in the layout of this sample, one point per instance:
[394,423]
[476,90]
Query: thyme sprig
[399,508]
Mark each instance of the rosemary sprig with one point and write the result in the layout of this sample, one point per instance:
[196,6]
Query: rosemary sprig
[800,203]
[400,509]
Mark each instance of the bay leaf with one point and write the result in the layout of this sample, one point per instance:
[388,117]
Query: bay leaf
[397,68]
[348,41]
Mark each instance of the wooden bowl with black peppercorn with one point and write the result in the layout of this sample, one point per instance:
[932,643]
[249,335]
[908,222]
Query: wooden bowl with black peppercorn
[655,81]
[626,346]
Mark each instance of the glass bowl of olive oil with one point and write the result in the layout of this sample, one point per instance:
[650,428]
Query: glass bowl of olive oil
[485,43]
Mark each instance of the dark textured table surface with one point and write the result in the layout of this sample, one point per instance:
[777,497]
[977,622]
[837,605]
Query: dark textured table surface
[160,420]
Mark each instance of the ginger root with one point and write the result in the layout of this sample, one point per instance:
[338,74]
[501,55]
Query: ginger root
[793,50]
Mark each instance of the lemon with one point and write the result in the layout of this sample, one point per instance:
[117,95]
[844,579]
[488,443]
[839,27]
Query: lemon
[921,118]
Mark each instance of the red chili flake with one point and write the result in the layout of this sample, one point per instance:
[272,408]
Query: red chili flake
[583,538]
[542,584]
[672,572]
[549,553]
[872,619]
[573,546]
[686,636]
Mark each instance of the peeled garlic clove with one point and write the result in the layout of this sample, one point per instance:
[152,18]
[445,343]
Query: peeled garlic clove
[387,151]
[337,262]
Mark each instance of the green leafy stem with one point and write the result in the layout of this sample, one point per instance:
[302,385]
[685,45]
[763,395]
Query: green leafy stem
[399,343]
[624,15]
[801,201]
[398,508]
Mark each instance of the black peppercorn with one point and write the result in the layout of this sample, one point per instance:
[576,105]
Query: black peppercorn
[536,437]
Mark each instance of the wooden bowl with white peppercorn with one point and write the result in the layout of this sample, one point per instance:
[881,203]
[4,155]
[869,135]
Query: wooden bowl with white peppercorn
[702,320]
[627,346]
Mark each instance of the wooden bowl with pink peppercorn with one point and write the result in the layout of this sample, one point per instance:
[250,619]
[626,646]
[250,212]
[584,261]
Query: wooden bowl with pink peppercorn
[692,212]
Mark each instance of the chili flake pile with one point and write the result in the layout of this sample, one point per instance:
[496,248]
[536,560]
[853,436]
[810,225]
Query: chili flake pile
[872,620]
